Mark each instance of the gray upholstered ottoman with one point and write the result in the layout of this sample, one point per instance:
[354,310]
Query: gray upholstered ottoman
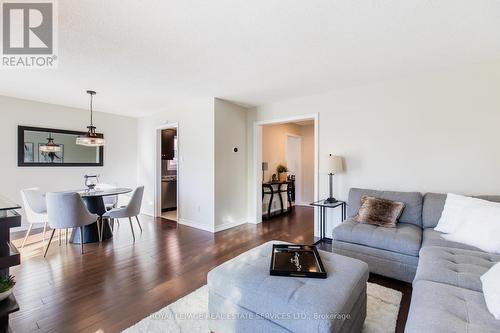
[243,297]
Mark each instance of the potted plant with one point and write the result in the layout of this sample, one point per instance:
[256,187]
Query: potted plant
[282,172]
[6,285]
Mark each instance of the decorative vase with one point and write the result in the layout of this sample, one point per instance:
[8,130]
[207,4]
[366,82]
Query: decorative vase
[283,176]
[5,294]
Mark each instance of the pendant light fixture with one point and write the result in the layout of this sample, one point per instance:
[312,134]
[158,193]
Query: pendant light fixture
[50,146]
[91,138]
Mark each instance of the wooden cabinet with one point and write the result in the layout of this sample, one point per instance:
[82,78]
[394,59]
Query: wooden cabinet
[9,256]
[167,144]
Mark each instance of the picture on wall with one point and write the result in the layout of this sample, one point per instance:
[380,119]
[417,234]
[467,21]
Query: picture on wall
[50,157]
[29,154]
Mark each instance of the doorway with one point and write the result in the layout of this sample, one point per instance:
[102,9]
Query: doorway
[167,189]
[292,143]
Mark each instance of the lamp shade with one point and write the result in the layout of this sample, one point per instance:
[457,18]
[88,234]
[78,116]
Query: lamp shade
[335,164]
[50,146]
[265,166]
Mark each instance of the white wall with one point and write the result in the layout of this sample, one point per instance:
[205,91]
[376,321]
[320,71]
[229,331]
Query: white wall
[431,133]
[274,145]
[120,152]
[196,160]
[230,168]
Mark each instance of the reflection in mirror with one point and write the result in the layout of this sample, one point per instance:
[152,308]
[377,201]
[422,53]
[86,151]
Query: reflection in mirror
[53,147]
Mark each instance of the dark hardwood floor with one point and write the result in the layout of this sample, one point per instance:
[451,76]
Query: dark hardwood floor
[117,283]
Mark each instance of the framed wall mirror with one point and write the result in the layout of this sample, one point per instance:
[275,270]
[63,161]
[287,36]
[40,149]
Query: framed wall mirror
[49,147]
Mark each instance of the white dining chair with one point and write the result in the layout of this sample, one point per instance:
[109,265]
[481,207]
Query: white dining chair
[35,209]
[67,210]
[132,209]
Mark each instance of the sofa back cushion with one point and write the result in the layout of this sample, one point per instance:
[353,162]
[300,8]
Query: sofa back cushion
[413,201]
[434,204]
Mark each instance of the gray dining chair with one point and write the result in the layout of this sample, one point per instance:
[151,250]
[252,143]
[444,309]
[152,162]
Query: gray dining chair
[35,209]
[67,210]
[132,209]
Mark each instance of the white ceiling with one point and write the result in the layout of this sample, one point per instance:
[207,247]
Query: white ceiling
[142,55]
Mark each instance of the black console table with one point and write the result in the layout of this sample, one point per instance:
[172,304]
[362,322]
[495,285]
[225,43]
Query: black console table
[273,188]
[9,256]
[322,216]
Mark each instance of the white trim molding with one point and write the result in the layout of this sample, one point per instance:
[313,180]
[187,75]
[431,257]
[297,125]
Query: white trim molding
[196,225]
[230,225]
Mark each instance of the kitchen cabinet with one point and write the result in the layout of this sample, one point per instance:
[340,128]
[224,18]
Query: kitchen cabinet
[169,193]
[167,144]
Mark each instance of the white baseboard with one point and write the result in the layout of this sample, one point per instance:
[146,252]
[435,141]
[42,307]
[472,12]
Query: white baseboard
[196,225]
[230,225]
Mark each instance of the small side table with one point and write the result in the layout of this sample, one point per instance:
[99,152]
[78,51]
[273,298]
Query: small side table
[322,216]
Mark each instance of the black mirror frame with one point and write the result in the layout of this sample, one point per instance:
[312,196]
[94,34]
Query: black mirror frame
[20,148]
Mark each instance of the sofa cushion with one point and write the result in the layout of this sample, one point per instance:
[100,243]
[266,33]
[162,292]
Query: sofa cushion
[412,200]
[432,237]
[404,238]
[434,204]
[382,262]
[457,267]
[437,307]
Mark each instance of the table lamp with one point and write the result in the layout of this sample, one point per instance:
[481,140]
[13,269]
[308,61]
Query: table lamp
[334,166]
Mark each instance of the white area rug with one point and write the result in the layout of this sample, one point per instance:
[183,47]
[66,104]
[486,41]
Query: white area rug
[188,314]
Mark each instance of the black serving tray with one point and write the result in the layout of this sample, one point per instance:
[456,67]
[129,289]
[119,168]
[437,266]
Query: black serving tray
[296,261]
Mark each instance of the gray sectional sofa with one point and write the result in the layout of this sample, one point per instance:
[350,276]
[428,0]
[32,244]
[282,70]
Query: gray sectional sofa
[391,252]
[447,291]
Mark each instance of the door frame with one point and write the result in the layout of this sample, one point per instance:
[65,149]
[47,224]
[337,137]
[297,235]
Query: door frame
[298,183]
[255,211]
[157,199]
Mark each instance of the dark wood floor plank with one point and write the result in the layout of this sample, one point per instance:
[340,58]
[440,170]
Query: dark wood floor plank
[117,283]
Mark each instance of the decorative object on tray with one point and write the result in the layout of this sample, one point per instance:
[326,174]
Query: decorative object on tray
[378,211]
[6,286]
[335,166]
[282,173]
[91,181]
[296,261]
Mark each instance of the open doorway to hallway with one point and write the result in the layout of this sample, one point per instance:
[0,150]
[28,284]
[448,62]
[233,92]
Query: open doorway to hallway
[167,188]
[288,153]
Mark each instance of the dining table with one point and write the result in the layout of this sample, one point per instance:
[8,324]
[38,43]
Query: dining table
[94,202]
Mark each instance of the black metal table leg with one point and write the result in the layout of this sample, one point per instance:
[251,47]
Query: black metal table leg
[95,205]
[281,199]
[270,203]
[324,223]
